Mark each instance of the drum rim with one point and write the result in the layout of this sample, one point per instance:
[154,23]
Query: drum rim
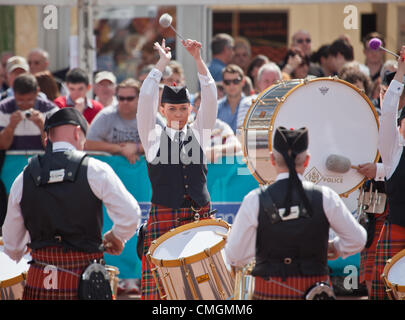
[13,281]
[305,82]
[190,259]
[244,148]
[387,268]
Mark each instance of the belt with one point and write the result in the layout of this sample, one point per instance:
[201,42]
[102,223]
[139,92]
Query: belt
[190,203]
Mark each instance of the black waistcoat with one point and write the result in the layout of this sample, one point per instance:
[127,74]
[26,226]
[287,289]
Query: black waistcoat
[295,247]
[174,174]
[65,213]
[395,187]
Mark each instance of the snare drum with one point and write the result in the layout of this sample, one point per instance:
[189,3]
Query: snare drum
[340,120]
[394,276]
[190,262]
[12,276]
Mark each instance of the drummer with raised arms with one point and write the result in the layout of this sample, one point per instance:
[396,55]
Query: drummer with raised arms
[175,159]
[391,147]
[285,227]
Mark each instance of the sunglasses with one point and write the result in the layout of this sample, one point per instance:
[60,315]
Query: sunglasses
[234,81]
[129,98]
[300,41]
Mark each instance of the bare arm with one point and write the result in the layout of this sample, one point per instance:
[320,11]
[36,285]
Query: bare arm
[94,145]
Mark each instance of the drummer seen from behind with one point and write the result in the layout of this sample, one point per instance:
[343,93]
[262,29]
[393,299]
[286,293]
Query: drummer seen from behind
[392,237]
[176,163]
[55,208]
[285,226]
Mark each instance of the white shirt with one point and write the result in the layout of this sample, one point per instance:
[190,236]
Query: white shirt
[240,248]
[121,206]
[150,132]
[390,143]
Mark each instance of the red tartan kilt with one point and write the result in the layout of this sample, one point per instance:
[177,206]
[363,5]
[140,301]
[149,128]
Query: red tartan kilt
[47,283]
[390,242]
[367,256]
[159,222]
[268,290]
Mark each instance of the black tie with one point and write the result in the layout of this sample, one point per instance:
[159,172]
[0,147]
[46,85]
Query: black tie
[181,141]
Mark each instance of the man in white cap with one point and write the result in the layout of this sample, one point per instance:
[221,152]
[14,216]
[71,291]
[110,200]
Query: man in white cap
[15,66]
[104,88]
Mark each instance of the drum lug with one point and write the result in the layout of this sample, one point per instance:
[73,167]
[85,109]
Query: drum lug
[217,280]
[155,277]
[189,280]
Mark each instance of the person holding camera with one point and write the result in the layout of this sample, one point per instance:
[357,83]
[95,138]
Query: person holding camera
[22,116]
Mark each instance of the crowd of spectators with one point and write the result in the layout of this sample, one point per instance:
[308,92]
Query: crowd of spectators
[240,77]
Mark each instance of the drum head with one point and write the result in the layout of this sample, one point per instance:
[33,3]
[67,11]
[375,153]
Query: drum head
[189,241]
[340,120]
[9,269]
[396,273]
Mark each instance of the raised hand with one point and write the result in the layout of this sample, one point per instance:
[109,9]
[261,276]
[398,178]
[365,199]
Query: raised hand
[165,55]
[193,47]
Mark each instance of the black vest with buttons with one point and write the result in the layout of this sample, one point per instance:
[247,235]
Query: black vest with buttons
[64,213]
[174,174]
[395,187]
[296,247]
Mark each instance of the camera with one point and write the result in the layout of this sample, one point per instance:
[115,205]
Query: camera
[27,114]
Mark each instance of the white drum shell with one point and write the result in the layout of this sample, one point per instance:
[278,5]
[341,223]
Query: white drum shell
[203,273]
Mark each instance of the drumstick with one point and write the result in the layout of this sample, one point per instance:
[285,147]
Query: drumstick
[223,235]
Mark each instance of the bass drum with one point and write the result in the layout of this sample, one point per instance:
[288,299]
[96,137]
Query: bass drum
[340,120]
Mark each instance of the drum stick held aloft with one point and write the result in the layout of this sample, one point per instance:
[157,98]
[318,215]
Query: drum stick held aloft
[165,21]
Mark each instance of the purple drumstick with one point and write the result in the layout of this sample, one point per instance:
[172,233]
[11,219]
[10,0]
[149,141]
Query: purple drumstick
[376,44]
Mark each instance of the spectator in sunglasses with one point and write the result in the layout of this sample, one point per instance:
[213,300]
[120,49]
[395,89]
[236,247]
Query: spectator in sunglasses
[114,129]
[302,40]
[234,102]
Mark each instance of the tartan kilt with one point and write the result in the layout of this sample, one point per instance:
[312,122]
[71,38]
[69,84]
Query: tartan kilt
[159,222]
[41,284]
[268,290]
[391,241]
[367,255]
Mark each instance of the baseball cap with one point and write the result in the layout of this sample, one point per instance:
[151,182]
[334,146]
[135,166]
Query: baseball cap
[105,75]
[17,62]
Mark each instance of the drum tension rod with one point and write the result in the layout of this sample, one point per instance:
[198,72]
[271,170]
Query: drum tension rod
[188,277]
[153,271]
[215,273]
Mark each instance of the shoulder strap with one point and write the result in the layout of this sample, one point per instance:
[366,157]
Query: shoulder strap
[76,158]
[35,170]
[267,205]
[40,172]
